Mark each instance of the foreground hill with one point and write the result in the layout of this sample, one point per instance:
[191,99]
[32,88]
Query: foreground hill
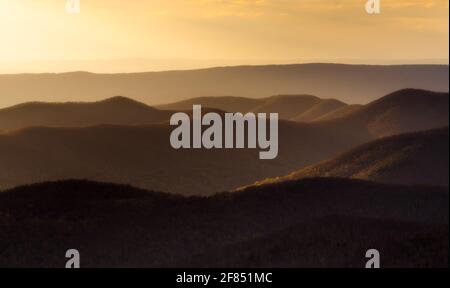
[113,225]
[142,155]
[417,158]
[225,103]
[116,110]
[347,83]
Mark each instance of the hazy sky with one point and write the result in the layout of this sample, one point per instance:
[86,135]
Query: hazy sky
[215,31]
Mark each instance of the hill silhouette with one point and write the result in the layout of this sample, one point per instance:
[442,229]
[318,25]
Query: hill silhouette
[289,107]
[400,112]
[355,84]
[116,110]
[393,114]
[413,159]
[142,156]
[394,109]
[125,111]
[320,110]
[313,222]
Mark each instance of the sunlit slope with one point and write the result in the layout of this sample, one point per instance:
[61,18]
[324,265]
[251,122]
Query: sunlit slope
[116,110]
[413,159]
[142,155]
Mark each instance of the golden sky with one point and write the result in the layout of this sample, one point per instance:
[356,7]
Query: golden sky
[229,30]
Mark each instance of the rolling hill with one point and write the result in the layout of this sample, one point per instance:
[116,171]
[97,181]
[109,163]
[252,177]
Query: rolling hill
[225,103]
[394,109]
[142,156]
[313,222]
[125,111]
[288,106]
[400,112]
[413,159]
[302,108]
[116,110]
[391,114]
[355,84]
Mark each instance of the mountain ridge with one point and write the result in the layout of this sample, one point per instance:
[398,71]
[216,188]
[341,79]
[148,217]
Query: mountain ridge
[347,83]
[141,154]
[113,110]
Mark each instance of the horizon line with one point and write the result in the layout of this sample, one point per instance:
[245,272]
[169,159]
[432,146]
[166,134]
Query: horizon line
[90,71]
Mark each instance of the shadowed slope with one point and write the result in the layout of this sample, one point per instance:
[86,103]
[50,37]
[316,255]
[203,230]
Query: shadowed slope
[320,110]
[340,112]
[417,158]
[143,156]
[336,242]
[288,106]
[400,112]
[405,111]
[115,225]
[225,103]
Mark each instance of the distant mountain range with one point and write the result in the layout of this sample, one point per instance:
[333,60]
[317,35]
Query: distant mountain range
[302,108]
[306,223]
[125,111]
[354,84]
[141,155]
[420,158]
[299,108]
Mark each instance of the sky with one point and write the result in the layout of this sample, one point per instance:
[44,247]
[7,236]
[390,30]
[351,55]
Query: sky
[133,35]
